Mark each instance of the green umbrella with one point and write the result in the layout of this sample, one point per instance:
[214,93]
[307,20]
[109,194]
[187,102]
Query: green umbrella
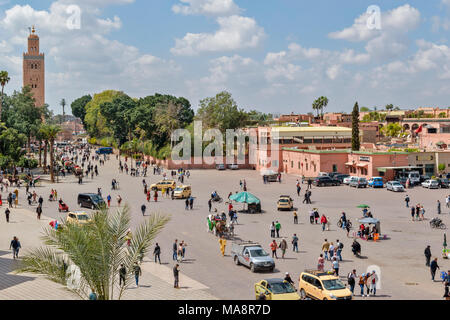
[363,206]
[244,197]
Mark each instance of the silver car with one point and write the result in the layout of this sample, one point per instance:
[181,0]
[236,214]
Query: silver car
[431,184]
[395,186]
[251,255]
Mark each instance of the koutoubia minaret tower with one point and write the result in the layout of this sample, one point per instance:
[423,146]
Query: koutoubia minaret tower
[34,69]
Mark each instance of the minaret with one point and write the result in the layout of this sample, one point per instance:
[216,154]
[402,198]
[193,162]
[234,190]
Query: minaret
[34,69]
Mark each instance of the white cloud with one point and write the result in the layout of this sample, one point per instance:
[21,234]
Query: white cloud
[207,7]
[235,33]
[333,71]
[81,61]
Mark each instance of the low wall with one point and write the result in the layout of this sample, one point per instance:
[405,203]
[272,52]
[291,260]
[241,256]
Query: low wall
[205,163]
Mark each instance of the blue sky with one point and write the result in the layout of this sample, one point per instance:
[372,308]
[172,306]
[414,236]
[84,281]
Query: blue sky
[274,56]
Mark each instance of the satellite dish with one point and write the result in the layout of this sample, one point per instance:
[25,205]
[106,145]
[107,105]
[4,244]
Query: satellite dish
[74,277]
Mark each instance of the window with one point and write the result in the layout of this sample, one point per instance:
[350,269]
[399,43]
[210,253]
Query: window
[292,164]
[299,165]
[306,167]
[275,163]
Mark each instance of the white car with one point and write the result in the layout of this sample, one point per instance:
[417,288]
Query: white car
[347,180]
[351,179]
[233,166]
[395,186]
[431,184]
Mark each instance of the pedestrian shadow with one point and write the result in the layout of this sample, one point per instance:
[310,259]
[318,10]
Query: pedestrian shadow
[188,261]
[10,280]
[288,258]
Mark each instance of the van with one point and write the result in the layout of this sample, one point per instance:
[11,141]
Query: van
[414,177]
[104,150]
[90,200]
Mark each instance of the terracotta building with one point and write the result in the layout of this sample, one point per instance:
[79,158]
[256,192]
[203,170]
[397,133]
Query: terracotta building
[34,69]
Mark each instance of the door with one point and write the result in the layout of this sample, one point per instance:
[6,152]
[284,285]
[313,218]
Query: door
[317,289]
[246,257]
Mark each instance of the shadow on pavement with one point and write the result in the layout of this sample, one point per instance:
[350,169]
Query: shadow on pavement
[7,266]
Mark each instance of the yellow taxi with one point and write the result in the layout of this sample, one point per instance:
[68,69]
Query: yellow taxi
[285,203]
[182,192]
[78,217]
[320,285]
[164,184]
[276,289]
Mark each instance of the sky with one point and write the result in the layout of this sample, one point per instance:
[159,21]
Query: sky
[274,56]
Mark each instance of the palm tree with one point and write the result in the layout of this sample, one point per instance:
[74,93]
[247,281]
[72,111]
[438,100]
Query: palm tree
[63,104]
[50,132]
[4,79]
[319,104]
[95,250]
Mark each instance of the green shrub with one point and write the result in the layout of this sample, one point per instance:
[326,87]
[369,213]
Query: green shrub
[92,141]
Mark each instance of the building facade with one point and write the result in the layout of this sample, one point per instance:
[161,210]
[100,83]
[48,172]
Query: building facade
[34,69]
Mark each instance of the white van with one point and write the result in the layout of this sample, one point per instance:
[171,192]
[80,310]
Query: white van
[414,177]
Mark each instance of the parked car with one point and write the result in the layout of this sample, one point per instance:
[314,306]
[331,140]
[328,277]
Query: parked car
[320,285]
[424,178]
[349,179]
[326,181]
[90,200]
[402,181]
[443,183]
[394,186]
[341,177]
[448,176]
[285,203]
[233,166]
[252,255]
[430,184]
[376,182]
[276,289]
[359,182]
[220,167]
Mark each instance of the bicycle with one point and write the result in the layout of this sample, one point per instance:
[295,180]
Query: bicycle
[339,223]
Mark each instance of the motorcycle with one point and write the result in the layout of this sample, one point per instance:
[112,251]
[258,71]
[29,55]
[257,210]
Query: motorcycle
[437,223]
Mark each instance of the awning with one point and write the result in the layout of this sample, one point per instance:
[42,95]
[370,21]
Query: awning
[349,163]
[362,165]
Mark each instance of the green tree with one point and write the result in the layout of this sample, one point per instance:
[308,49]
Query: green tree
[79,107]
[95,122]
[441,167]
[364,109]
[221,112]
[97,249]
[50,132]
[392,130]
[11,146]
[355,128]
[319,104]
[117,114]
[23,115]
[4,79]
[389,107]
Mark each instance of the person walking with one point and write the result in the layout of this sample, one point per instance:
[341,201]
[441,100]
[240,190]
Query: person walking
[427,254]
[119,200]
[361,283]
[278,228]
[407,201]
[143,208]
[295,217]
[335,265]
[108,198]
[122,275]
[339,247]
[223,243]
[191,203]
[331,251]
[273,248]
[373,280]
[309,183]
[157,252]
[433,267]
[283,246]
[155,195]
[176,273]
[15,246]
[438,207]
[7,212]
[186,204]
[39,212]
[323,221]
[321,263]
[351,279]
[325,248]
[137,273]
[209,205]
[272,230]
[174,250]
[295,243]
